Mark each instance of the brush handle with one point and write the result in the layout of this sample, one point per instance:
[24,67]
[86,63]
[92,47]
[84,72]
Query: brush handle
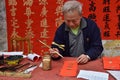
[50,48]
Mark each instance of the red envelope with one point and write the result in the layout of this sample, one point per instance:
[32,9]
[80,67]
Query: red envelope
[111,62]
[69,68]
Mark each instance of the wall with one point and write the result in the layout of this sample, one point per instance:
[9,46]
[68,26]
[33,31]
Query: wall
[3,32]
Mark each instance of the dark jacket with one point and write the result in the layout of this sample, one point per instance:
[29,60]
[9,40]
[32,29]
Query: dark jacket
[91,36]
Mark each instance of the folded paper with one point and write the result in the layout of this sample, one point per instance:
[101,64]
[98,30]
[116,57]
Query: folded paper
[69,68]
[111,62]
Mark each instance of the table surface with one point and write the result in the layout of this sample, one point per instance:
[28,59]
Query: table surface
[53,74]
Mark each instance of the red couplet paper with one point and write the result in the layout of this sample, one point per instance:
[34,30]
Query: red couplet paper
[111,63]
[69,68]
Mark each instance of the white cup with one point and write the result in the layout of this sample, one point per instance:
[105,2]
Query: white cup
[33,57]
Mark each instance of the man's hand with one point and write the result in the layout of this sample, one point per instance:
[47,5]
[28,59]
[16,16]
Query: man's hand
[52,52]
[82,59]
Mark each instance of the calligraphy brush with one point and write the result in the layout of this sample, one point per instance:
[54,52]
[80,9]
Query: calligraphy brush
[50,47]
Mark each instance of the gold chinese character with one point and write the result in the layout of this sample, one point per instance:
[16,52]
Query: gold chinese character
[13,9]
[44,34]
[29,22]
[58,21]
[14,22]
[29,33]
[12,2]
[58,10]
[60,2]
[44,12]
[28,11]
[28,2]
[43,23]
[43,2]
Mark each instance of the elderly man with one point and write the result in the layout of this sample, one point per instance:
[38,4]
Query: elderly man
[77,36]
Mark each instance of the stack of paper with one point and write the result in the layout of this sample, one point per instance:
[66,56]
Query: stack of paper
[92,75]
[11,53]
[69,68]
[115,74]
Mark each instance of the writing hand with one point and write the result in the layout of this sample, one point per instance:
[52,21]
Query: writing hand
[53,52]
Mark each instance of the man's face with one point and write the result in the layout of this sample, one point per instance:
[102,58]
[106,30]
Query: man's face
[72,19]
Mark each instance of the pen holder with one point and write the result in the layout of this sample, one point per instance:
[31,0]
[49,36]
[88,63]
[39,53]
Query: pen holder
[46,62]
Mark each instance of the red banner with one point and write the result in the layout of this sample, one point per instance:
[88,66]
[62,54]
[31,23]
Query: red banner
[38,19]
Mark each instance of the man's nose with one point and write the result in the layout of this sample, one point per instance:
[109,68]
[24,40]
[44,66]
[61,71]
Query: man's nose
[71,23]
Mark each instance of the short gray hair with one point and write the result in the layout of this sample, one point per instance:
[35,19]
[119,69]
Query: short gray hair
[72,5]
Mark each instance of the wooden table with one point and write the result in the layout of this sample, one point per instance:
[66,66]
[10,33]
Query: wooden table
[53,74]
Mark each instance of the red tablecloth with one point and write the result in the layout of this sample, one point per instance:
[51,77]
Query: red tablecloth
[53,74]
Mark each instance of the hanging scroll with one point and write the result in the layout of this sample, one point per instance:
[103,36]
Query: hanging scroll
[38,19]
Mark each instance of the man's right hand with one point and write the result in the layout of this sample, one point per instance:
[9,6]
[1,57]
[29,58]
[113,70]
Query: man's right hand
[53,52]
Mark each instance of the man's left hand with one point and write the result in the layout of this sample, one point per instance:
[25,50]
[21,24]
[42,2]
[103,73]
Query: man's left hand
[82,59]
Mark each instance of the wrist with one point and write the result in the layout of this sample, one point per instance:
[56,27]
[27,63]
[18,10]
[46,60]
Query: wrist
[88,57]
